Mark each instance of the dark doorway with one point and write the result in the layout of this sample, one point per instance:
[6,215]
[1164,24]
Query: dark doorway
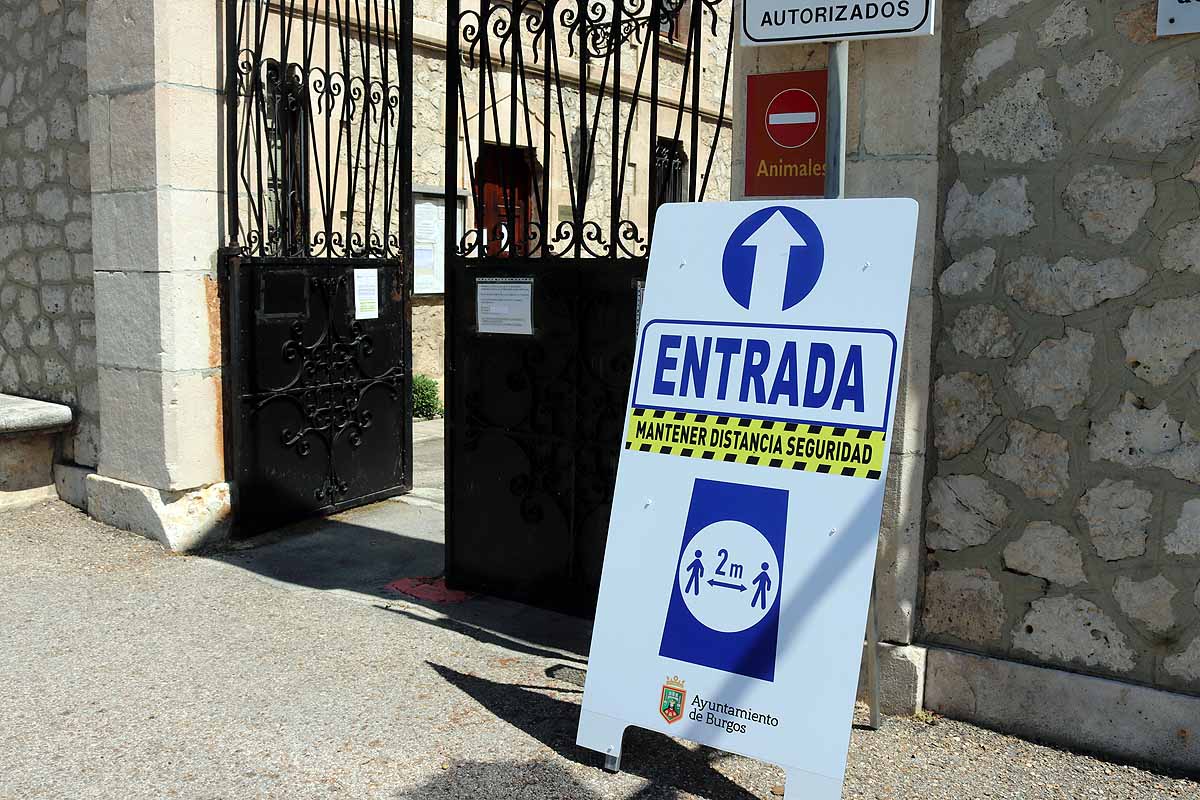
[505,177]
[670,161]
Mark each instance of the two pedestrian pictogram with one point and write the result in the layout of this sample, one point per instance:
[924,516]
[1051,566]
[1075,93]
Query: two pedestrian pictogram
[728,576]
[762,584]
[724,609]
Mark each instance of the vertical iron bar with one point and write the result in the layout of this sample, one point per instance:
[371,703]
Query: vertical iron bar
[485,62]
[697,36]
[306,152]
[364,127]
[348,133]
[568,171]
[534,243]
[515,248]
[283,177]
[506,183]
[454,303]
[236,308]
[259,98]
[656,11]
[404,163]
[330,198]
[581,157]
[614,167]
[634,103]
[385,76]
[548,32]
[232,107]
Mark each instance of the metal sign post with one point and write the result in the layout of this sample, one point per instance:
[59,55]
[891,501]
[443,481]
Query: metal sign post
[835,132]
[835,188]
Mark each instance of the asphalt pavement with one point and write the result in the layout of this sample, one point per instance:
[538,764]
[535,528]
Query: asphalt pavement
[290,670]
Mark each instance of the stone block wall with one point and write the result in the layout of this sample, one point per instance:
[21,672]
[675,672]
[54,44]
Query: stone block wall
[429,339]
[47,327]
[1063,512]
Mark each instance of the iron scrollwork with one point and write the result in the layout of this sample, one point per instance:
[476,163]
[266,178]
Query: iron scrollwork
[328,386]
[567,82]
[318,160]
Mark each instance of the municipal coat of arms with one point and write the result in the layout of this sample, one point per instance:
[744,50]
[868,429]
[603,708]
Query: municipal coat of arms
[670,704]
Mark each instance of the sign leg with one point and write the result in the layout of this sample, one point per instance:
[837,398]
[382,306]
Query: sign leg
[603,734]
[873,660]
[803,785]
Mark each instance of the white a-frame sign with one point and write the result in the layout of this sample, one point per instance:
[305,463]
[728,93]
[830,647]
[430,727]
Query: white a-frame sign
[744,524]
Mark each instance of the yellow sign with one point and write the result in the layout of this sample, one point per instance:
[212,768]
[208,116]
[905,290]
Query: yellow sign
[850,452]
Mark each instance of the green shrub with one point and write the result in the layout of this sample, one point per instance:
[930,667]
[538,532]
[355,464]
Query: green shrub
[425,397]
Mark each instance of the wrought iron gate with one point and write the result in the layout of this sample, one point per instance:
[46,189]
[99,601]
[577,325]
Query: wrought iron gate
[317,269]
[570,121]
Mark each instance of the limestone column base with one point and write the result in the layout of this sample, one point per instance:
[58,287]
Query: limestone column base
[901,679]
[182,521]
[1114,719]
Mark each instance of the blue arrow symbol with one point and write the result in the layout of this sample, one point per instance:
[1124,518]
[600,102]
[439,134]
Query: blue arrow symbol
[776,255]
[772,243]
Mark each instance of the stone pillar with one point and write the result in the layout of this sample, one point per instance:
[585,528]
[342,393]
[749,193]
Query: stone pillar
[156,150]
[892,144]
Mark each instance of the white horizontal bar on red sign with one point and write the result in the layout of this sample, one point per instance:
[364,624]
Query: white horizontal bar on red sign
[796,118]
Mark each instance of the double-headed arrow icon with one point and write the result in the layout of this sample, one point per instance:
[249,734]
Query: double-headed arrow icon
[737,586]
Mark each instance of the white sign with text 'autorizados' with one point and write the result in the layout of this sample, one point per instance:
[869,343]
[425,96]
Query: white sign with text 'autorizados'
[743,531]
[781,21]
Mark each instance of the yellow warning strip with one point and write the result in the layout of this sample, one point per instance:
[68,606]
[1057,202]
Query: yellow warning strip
[825,449]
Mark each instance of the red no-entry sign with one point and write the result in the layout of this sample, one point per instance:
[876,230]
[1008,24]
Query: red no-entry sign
[785,134]
[793,117]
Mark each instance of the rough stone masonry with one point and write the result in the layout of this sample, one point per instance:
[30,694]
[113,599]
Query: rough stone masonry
[47,327]
[1063,518]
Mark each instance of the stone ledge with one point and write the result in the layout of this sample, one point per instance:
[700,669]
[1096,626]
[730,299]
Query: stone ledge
[182,521]
[27,450]
[1097,715]
[23,414]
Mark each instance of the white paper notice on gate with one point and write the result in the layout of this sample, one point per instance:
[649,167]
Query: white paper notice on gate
[744,523]
[366,294]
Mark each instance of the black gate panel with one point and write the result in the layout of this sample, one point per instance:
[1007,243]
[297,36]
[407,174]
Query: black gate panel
[319,110]
[534,421]
[552,106]
[320,400]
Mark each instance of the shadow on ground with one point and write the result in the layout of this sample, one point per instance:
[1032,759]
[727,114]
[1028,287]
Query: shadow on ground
[648,755]
[501,780]
[361,551]
[364,550]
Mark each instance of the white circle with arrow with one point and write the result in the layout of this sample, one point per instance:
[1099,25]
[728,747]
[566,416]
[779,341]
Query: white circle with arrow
[729,576]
